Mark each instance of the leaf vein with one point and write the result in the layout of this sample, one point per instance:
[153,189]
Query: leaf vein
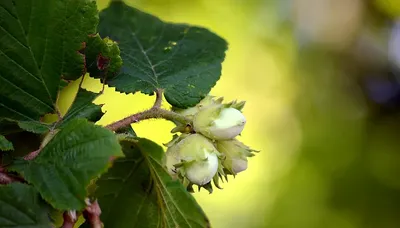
[146,56]
[33,57]
[23,91]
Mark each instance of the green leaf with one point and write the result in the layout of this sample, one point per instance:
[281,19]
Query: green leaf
[21,206]
[40,41]
[138,192]
[34,126]
[79,152]
[5,144]
[83,107]
[103,58]
[183,60]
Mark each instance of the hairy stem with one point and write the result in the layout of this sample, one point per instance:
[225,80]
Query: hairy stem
[154,112]
[157,103]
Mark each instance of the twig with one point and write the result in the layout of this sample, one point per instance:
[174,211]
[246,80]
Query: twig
[32,154]
[46,139]
[148,114]
[92,214]
[157,103]
[70,219]
[154,112]
[6,179]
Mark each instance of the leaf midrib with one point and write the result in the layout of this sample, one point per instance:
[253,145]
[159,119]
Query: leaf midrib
[30,50]
[149,62]
[134,168]
[160,186]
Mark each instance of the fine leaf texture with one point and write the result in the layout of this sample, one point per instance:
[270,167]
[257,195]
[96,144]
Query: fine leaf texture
[34,126]
[183,60]
[5,144]
[79,152]
[83,107]
[39,43]
[138,192]
[20,206]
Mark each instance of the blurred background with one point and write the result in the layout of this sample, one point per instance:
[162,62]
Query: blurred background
[321,81]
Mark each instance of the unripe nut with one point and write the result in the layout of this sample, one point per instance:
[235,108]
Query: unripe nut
[219,123]
[197,159]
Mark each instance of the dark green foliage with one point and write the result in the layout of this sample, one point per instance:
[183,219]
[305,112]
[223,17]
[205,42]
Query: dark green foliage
[102,57]
[183,60]
[40,41]
[138,192]
[45,45]
[5,144]
[67,164]
[21,206]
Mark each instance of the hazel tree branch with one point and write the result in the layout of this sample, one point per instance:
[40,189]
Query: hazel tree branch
[5,178]
[32,154]
[154,112]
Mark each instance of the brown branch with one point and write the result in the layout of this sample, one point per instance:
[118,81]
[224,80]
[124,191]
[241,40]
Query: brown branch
[92,214]
[6,179]
[148,114]
[154,112]
[32,154]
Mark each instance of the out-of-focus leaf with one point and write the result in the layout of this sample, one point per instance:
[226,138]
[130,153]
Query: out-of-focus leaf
[20,206]
[138,192]
[183,60]
[65,166]
[5,144]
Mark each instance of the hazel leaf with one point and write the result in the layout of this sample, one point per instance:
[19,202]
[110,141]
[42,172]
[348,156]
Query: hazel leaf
[78,153]
[183,60]
[40,42]
[137,188]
